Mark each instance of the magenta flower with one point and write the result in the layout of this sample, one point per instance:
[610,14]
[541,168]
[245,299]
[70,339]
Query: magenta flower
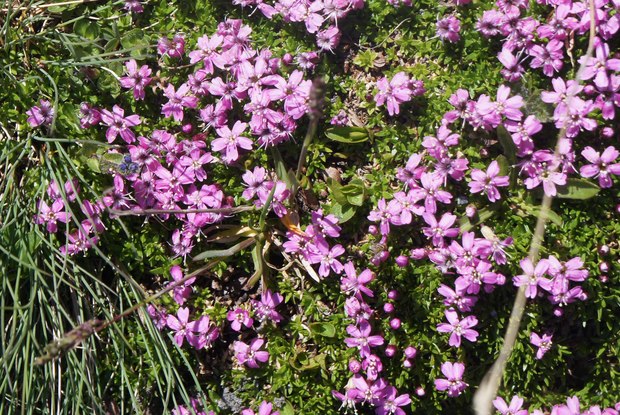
[180,292]
[328,39]
[514,409]
[229,140]
[180,325]
[174,48]
[453,382]
[431,192]
[136,79]
[394,92]
[207,51]
[133,6]
[41,115]
[89,116]
[597,67]
[543,343]
[119,124]
[532,277]
[354,284]
[386,213]
[601,165]
[513,71]
[440,230]
[265,408]
[362,339]
[488,182]
[448,29]
[158,316]
[549,57]
[457,298]
[239,317]
[265,308]
[327,258]
[177,100]
[458,328]
[391,403]
[250,355]
[51,215]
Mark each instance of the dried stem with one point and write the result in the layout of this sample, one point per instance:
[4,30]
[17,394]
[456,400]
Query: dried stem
[487,391]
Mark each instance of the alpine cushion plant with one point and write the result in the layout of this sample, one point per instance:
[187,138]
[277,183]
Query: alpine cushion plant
[340,271]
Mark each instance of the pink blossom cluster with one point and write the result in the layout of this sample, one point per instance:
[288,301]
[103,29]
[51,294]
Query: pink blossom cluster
[312,245]
[558,286]
[572,407]
[366,386]
[80,238]
[319,17]
[169,172]
[397,90]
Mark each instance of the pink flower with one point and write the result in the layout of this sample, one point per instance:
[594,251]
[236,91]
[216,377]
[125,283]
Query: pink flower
[458,328]
[394,92]
[488,182]
[250,355]
[601,165]
[448,29]
[177,100]
[362,339]
[174,48]
[231,140]
[328,39]
[550,57]
[51,215]
[133,6]
[532,277]
[136,79]
[265,408]
[543,343]
[239,317]
[180,292]
[89,116]
[41,115]
[390,404]
[514,409]
[327,258]
[440,230]
[354,284]
[207,51]
[119,124]
[453,382]
[265,308]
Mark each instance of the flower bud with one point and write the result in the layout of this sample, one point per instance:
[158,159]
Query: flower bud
[395,323]
[470,211]
[411,352]
[390,350]
[418,253]
[187,128]
[558,312]
[354,366]
[603,249]
[603,267]
[420,391]
[402,261]
[287,59]
[393,294]
[407,363]
[603,278]
[388,307]
[373,230]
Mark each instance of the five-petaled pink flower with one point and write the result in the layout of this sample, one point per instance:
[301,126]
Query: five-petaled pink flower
[543,343]
[41,115]
[136,79]
[362,339]
[454,379]
[119,124]
[513,409]
[488,182]
[602,165]
[532,277]
[251,354]
[394,92]
[239,317]
[458,328]
[229,140]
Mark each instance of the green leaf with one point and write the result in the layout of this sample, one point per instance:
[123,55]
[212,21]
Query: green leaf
[349,135]
[114,158]
[219,253]
[343,212]
[86,29]
[481,215]
[509,147]
[323,329]
[579,189]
